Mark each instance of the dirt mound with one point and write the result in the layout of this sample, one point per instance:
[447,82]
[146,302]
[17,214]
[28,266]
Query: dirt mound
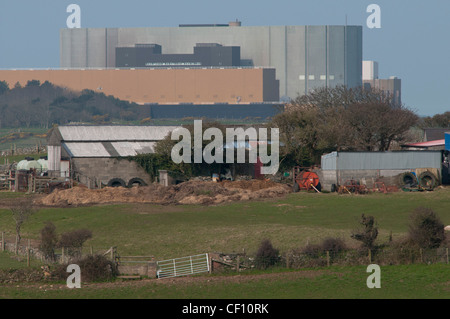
[191,192]
[252,185]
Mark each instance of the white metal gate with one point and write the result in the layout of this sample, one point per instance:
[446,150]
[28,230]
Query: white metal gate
[183,266]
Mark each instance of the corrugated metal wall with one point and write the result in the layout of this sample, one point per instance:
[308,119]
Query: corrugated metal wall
[329,161]
[381,160]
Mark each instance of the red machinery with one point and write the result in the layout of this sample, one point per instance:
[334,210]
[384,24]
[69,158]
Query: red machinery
[352,186]
[305,179]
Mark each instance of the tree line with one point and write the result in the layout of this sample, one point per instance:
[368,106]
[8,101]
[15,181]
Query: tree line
[323,121]
[43,104]
[340,119]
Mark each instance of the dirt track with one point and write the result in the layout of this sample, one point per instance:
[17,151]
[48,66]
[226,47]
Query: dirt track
[189,280]
[191,192]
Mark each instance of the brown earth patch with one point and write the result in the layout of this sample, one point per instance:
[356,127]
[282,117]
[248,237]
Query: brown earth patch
[191,192]
[192,280]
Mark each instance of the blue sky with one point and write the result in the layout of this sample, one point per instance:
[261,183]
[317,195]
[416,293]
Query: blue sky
[413,42]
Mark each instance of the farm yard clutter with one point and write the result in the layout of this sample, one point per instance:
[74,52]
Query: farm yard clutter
[191,192]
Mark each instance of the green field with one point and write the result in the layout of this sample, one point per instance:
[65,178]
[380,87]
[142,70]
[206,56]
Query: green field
[291,222]
[176,231]
[9,261]
[398,282]
[30,140]
[18,158]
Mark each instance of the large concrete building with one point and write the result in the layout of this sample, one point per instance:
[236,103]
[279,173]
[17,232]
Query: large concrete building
[162,86]
[391,86]
[205,55]
[305,57]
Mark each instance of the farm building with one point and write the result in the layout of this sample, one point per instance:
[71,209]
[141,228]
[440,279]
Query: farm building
[91,154]
[434,139]
[447,141]
[391,168]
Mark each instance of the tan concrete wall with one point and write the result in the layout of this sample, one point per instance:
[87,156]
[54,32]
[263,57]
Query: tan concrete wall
[164,86]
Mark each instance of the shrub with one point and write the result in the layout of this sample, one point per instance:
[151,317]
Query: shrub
[312,250]
[93,269]
[335,245]
[49,239]
[74,241]
[368,233]
[426,230]
[267,255]
[75,238]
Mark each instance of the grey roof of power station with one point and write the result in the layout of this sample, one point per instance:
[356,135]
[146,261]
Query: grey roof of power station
[305,57]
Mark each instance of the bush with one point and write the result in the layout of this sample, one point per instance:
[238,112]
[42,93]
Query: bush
[75,238]
[314,255]
[49,239]
[335,245]
[368,233]
[267,255]
[93,269]
[312,250]
[74,241]
[426,230]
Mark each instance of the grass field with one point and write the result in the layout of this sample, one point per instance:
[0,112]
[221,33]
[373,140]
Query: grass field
[398,282]
[35,138]
[18,158]
[291,222]
[9,261]
[176,231]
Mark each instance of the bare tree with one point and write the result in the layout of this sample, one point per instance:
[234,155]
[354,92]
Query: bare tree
[341,119]
[21,211]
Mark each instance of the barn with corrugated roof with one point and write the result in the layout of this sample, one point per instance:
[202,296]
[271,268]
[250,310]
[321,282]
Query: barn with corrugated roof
[93,155]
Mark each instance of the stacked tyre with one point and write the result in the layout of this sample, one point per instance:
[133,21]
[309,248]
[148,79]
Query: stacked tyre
[408,180]
[427,181]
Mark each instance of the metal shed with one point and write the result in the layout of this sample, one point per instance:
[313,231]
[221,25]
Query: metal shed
[94,152]
[399,160]
[368,167]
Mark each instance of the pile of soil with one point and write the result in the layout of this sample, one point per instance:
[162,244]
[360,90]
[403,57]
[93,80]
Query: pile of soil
[191,192]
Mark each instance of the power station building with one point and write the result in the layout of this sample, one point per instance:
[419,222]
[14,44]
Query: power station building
[304,57]
[205,55]
[163,86]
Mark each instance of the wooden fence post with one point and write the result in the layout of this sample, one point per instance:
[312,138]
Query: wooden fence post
[447,255]
[3,241]
[28,253]
[370,256]
[211,264]
[328,258]
[421,255]
[62,255]
[287,261]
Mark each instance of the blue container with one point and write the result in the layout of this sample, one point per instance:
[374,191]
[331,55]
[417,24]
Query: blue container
[447,141]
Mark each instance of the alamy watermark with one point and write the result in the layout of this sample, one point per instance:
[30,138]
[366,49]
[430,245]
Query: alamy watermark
[74,280]
[74,19]
[374,280]
[374,19]
[237,140]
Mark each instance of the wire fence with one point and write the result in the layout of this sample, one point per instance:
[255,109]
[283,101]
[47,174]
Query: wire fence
[295,259]
[348,257]
[60,255]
